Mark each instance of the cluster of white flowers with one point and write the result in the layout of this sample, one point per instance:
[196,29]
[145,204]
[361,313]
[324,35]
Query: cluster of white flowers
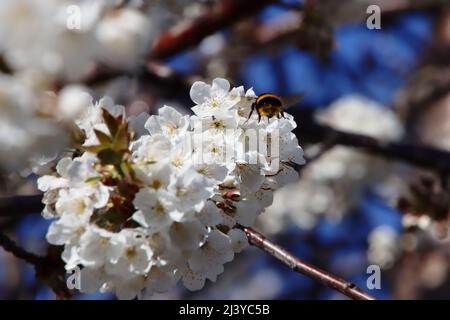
[170,214]
[333,183]
[64,38]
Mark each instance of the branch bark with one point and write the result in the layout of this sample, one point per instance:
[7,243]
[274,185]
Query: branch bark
[11,246]
[49,269]
[186,36]
[20,205]
[347,288]
[421,156]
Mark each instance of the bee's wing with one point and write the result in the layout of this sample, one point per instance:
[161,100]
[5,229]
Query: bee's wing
[291,100]
[250,98]
[244,99]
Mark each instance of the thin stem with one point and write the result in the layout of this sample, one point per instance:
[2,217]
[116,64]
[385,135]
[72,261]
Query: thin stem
[49,269]
[347,288]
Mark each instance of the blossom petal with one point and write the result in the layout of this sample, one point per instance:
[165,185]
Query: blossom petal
[200,91]
[220,84]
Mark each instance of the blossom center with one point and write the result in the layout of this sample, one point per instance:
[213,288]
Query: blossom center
[156,184]
[214,102]
[131,252]
[215,150]
[218,124]
[171,129]
[159,209]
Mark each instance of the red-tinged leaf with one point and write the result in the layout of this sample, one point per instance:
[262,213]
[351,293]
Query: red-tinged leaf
[104,139]
[95,149]
[111,122]
[121,140]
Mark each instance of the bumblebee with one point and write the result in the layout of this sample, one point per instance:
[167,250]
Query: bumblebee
[270,105]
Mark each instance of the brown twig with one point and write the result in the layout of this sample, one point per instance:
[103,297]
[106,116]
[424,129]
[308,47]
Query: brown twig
[11,246]
[189,35]
[347,288]
[49,269]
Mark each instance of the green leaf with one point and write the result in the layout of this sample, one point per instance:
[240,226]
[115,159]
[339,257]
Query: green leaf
[125,169]
[103,137]
[95,149]
[109,219]
[92,179]
[121,140]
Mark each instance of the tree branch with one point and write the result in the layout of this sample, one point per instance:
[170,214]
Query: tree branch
[429,158]
[180,38]
[225,13]
[347,288]
[11,246]
[20,205]
[309,131]
[186,36]
[49,269]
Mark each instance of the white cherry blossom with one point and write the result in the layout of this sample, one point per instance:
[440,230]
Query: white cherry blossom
[186,189]
[169,122]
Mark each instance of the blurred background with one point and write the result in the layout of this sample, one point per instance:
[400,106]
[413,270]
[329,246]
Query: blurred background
[350,209]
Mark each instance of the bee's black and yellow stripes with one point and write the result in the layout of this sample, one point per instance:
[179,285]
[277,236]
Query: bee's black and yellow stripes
[268,105]
[268,98]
